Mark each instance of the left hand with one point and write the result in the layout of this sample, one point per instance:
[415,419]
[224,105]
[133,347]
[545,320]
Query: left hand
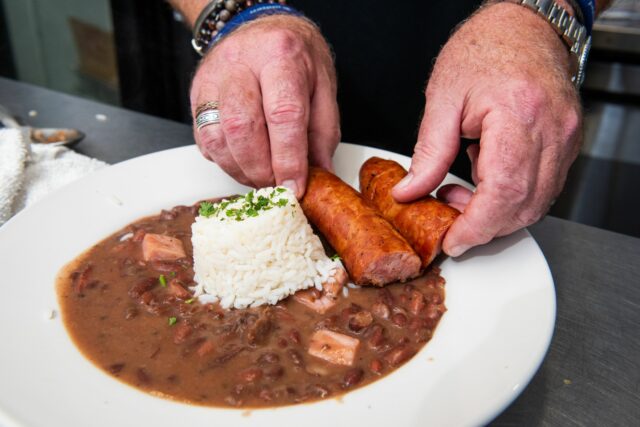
[502,77]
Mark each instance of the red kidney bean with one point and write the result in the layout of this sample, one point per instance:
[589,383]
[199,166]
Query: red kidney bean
[295,357]
[142,286]
[376,366]
[385,296]
[251,375]
[273,372]
[352,377]
[399,355]
[376,336]
[143,376]
[147,298]
[436,298]
[266,395]
[416,324]
[432,312]
[318,390]
[81,278]
[130,312]
[294,336]
[399,319]
[408,288]
[233,401]
[417,302]
[403,299]
[268,358]
[116,368]
[168,215]
[360,320]
[206,348]
[282,342]
[381,310]
[182,332]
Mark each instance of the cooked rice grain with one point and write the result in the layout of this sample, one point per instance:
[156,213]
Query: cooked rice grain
[260,259]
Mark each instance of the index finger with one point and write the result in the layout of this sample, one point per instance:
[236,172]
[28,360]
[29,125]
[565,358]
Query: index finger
[286,103]
[507,172]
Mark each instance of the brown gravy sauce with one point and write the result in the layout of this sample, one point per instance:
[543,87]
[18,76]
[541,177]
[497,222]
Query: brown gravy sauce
[134,328]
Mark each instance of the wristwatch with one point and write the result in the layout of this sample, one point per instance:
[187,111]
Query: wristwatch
[573,33]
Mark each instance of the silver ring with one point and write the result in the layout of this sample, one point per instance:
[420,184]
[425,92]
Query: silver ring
[208,117]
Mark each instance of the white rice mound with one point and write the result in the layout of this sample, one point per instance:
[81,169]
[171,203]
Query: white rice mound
[259,259]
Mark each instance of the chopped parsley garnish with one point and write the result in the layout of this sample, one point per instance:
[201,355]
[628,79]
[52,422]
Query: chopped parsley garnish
[206,209]
[336,257]
[162,280]
[172,321]
[172,274]
[190,300]
[248,206]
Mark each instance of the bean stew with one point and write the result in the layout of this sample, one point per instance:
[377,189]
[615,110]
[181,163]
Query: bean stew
[138,321]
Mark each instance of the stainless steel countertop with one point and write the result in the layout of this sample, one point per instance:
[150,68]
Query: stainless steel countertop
[591,375]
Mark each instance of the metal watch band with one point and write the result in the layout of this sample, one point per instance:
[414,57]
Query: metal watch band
[570,30]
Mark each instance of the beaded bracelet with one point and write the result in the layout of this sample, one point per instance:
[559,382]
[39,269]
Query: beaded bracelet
[220,17]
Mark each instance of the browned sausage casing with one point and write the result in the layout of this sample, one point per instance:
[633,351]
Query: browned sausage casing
[423,222]
[373,252]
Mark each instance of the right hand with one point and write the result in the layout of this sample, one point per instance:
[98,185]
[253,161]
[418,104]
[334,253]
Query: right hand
[275,83]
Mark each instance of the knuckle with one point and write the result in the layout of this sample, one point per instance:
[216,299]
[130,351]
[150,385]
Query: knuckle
[286,114]
[211,140]
[528,216]
[513,191]
[287,165]
[284,42]
[572,123]
[237,126]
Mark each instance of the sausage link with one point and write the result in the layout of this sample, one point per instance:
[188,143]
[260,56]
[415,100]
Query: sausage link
[423,222]
[373,252]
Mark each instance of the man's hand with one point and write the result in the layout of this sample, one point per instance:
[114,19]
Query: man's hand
[503,77]
[275,82]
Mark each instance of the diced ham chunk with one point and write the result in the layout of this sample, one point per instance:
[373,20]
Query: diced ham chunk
[318,301]
[333,347]
[157,247]
[315,300]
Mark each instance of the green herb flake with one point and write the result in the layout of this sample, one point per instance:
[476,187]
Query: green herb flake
[162,280]
[336,257]
[190,300]
[281,190]
[282,202]
[172,274]
[252,212]
[172,321]
[206,209]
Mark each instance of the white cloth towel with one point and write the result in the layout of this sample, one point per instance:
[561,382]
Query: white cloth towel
[30,171]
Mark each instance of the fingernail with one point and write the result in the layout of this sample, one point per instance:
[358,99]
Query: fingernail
[458,250]
[291,185]
[405,181]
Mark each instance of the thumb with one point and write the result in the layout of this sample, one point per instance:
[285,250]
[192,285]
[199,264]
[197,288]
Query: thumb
[435,151]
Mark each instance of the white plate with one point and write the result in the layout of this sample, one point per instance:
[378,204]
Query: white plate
[500,299]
